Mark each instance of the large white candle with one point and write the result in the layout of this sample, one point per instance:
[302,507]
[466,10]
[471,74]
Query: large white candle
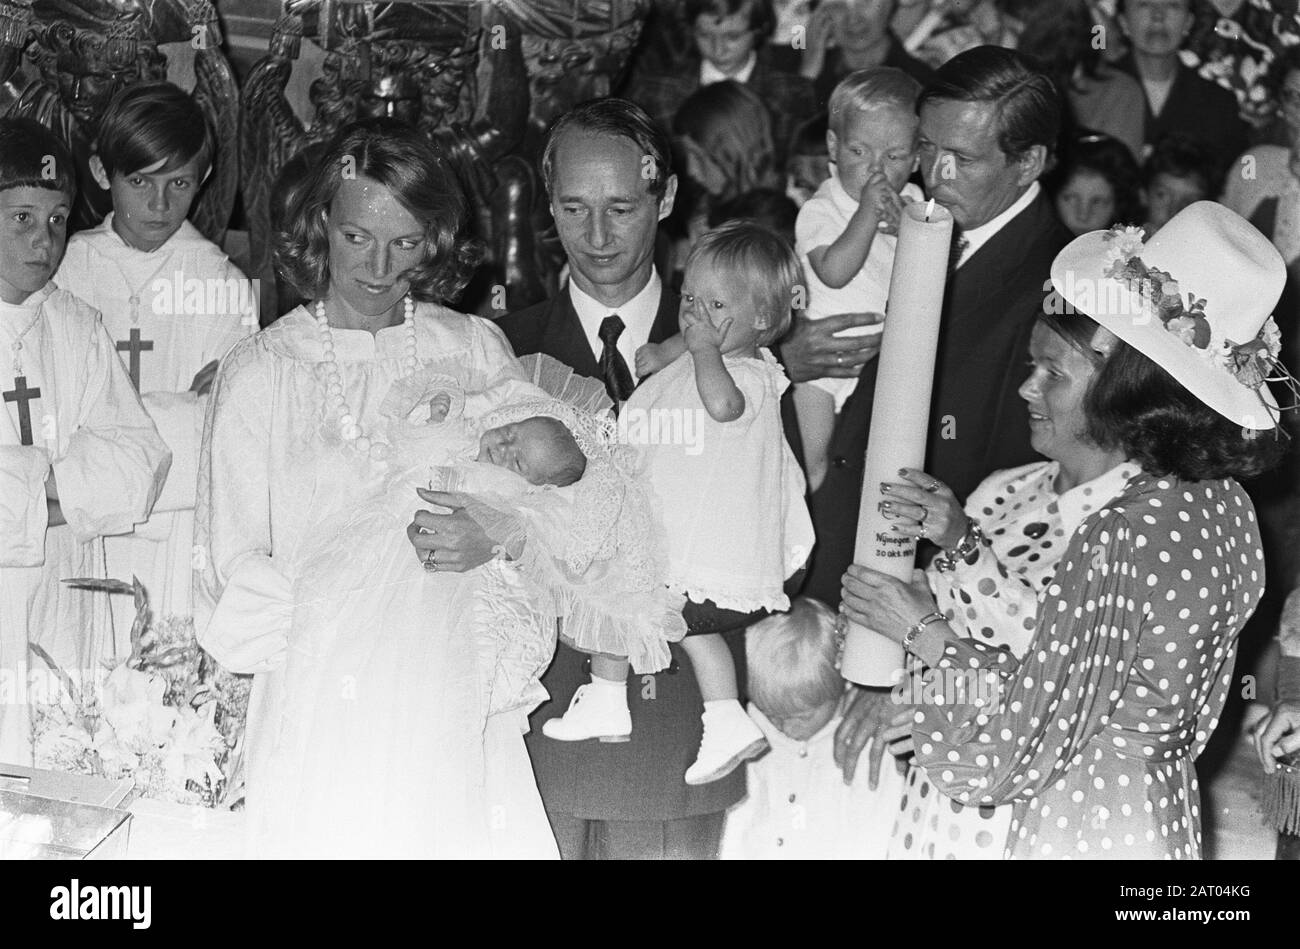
[900,416]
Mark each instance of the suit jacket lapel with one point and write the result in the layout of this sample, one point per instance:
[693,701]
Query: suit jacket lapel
[666,319]
[984,272]
[564,334]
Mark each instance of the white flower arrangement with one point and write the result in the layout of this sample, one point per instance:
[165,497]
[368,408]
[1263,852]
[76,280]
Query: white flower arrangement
[168,717]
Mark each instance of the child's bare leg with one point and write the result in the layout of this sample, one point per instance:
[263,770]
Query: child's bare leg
[715,669]
[815,409]
[610,668]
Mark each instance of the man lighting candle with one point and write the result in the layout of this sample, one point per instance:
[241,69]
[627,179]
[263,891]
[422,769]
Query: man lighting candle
[988,122]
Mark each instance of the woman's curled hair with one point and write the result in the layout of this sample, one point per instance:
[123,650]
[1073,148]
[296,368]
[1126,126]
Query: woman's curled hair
[1134,405]
[412,168]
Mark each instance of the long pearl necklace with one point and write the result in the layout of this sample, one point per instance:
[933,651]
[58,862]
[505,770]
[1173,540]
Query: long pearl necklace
[349,428]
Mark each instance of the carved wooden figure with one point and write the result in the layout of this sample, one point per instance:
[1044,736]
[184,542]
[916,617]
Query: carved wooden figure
[61,61]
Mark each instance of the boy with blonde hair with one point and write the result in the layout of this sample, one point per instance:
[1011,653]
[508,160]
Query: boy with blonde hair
[798,806]
[845,233]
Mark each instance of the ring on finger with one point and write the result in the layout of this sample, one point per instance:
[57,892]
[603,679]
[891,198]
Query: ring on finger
[934,485]
[839,359]
[430,563]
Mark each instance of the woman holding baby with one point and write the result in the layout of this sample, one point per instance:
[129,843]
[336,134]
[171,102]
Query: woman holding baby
[385,719]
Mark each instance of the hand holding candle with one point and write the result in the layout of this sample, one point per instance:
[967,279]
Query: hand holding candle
[900,416]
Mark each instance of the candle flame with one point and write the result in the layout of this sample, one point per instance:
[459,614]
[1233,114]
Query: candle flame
[929,209]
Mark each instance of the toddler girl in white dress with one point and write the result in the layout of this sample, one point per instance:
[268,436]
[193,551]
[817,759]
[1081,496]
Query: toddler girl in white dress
[731,498]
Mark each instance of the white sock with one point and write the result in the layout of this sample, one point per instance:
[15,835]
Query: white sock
[615,689]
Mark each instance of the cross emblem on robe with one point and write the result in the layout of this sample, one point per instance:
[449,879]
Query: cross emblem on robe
[135,346]
[23,396]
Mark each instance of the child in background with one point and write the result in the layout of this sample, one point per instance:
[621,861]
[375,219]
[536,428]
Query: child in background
[732,504]
[845,234]
[79,458]
[1178,172]
[765,206]
[798,806]
[809,163]
[173,304]
[1097,184]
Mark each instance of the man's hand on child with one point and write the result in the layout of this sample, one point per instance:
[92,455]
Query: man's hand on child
[812,350]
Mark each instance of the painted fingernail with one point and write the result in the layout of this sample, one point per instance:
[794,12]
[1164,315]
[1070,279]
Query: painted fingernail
[884,487]
[902,472]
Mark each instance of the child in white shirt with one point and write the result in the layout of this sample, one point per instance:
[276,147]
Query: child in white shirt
[845,233]
[731,502]
[798,806]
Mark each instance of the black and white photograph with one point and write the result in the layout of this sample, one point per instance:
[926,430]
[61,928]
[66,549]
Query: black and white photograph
[643,430]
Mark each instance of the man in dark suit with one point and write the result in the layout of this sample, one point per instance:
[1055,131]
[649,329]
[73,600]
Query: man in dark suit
[1177,99]
[729,44]
[609,176]
[988,121]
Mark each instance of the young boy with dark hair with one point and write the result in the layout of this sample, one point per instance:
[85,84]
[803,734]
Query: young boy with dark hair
[173,304]
[76,446]
[1178,172]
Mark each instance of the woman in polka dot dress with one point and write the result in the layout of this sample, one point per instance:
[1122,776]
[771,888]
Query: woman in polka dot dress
[1024,515]
[1091,735]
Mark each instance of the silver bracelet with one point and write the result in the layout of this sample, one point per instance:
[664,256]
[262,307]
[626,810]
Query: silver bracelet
[967,549]
[915,629]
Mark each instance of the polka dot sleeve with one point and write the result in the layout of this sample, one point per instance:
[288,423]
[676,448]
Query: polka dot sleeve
[1025,720]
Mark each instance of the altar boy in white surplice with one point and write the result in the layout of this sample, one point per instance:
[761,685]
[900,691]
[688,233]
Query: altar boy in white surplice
[172,303]
[79,457]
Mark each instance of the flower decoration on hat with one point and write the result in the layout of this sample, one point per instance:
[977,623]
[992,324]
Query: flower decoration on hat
[1252,363]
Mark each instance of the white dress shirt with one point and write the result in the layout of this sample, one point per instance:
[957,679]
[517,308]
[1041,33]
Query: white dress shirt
[977,237]
[709,74]
[799,808]
[638,316]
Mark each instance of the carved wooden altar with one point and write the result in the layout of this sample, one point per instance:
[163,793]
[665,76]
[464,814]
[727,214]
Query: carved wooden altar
[61,61]
[484,79]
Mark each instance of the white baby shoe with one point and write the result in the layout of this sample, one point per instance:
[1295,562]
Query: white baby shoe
[598,710]
[730,737]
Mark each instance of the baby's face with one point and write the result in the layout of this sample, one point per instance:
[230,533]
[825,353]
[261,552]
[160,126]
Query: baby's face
[716,294]
[538,449]
[880,138]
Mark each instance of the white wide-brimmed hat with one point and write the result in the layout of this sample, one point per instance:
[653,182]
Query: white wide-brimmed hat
[1197,299]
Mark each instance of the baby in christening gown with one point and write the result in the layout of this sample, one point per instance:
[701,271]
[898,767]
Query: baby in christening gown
[442,444]
[368,624]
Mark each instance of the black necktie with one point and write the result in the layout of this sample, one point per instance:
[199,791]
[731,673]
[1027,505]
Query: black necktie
[959,245]
[618,381]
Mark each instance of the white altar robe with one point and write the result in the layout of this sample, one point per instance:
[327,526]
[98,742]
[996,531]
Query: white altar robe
[194,304]
[109,465]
